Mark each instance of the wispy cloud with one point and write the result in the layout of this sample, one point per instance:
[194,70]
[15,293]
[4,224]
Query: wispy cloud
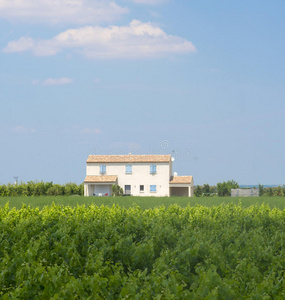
[82,130]
[53,81]
[151,2]
[61,11]
[88,130]
[122,147]
[22,129]
[97,80]
[133,41]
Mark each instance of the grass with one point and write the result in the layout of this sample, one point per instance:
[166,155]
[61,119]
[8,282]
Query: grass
[143,202]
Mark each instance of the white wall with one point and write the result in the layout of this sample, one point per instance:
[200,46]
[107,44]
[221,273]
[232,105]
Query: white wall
[140,176]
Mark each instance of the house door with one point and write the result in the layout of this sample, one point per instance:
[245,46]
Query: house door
[127,189]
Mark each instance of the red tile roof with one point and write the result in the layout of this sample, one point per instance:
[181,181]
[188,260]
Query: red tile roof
[181,179]
[128,158]
[101,179]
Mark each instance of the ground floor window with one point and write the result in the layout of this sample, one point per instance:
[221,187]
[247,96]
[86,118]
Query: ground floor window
[141,188]
[127,189]
[153,188]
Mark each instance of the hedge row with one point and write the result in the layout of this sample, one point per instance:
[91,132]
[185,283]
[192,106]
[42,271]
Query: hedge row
[35,188]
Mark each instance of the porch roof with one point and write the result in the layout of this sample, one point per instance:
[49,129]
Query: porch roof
[181,180]
[101,179]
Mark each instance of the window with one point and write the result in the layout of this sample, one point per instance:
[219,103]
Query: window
[153,188]
[152,169]
[103,169]
[128,169]
[141,188]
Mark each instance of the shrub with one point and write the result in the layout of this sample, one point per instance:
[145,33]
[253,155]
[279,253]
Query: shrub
[198,191]
[224,188]
[117,190]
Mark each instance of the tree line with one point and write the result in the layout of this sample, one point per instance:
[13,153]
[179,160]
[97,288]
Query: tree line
[35,188]
[224,189]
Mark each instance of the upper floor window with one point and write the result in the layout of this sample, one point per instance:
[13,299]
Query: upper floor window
[103,169]
[153,188]
[128,169]
[152,169]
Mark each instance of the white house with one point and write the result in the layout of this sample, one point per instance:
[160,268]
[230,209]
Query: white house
[138,175]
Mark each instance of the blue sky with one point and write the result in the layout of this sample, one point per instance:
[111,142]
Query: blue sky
[204,79]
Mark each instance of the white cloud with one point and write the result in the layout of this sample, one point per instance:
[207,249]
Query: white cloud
[23,44]
[61,11]
[57,81]
[133,41]
[22,129]
[53,81]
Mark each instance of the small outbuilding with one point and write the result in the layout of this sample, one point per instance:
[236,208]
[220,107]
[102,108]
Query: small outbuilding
[181,186]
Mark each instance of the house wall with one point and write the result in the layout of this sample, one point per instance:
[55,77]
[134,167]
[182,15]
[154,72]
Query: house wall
[88,189]
[140,176]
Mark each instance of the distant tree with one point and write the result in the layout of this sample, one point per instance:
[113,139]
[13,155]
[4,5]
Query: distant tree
[206,188]
[224,188]
[283,190]
[81,189]
[261,190]
[270,192]
[198,191]
[71,189]
[278,191]
[213,189]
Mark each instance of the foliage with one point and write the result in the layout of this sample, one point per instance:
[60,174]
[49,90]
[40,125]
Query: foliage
[35,188]
[198,191]
[143,202]
[206,189]
[223,252]
[224,188]
[261,190]
[117,190]
[272,191]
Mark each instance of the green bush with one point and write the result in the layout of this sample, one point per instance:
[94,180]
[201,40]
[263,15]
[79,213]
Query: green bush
[222,252]
[198,191]
[35,188]
[224,188]
[117,190]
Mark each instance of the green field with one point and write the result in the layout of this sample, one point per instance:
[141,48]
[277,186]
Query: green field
[99,252]
[143,202]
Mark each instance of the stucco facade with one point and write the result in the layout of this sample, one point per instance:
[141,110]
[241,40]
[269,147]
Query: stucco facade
[138,175]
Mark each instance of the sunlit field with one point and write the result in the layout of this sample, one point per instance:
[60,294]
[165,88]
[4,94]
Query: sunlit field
[143,202]
[99,252]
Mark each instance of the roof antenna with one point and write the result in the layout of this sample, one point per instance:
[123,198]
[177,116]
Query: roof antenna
[172,155]
[16,179]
